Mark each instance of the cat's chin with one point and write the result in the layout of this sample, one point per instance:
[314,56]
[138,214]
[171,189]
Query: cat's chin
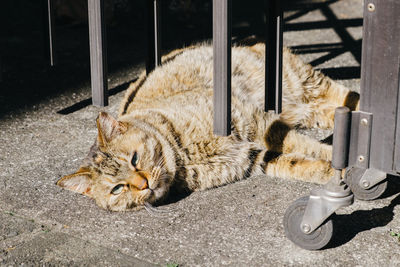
[158,190]
[156,194]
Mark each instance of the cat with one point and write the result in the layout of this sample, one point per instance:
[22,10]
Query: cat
[163,139]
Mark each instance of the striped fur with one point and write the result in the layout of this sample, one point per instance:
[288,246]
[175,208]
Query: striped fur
[165,123]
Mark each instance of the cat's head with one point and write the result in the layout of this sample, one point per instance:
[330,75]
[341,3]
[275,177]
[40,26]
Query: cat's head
[126,168]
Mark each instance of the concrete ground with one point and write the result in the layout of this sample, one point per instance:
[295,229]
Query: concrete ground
[238,225]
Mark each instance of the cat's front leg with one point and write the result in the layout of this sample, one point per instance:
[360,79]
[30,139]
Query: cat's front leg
[222,162]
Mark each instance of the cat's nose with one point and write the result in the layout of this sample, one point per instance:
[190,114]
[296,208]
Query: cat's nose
[139,180]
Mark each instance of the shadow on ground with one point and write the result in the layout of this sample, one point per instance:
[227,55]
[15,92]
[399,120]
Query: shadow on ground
[347,226]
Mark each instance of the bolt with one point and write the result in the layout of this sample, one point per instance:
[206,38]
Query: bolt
[371,7]
[361,158]
[365,183]
[364,122]
[306,228]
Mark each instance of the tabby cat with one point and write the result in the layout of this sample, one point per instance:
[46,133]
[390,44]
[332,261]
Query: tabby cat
[163,139]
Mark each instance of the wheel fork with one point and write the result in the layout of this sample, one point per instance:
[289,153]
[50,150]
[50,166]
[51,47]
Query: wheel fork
[323,202]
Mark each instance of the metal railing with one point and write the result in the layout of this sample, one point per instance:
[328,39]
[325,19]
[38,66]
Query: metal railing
[222,54]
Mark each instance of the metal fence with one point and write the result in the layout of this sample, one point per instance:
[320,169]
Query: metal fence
[222,53]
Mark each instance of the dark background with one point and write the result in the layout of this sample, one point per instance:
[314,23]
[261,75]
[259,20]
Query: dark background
[26,76]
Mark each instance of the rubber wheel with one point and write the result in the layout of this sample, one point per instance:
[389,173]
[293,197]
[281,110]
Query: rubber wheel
[353,177]
[292,220]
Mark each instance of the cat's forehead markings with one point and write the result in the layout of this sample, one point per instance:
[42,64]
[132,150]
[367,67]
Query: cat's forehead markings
[109,181]
[122,159]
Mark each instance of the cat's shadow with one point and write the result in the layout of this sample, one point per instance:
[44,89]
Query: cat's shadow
[174,196]
[347,226]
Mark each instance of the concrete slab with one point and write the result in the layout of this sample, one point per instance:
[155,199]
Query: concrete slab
[26,242]
[237,225]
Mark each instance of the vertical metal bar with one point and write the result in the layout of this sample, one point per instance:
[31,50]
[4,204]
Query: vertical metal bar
[380,78]
[153,30]
[341,137]
[48,36]
[273,56]
[397,145]
[157,32]
[1,68]
[360,139]
[150,48]
[396,166]
[222,66]
[98,52]
[279,47]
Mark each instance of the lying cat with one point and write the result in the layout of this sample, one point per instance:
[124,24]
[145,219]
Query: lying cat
[163,139]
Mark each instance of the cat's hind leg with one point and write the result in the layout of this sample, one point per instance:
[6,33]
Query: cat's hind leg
[310,97]
[298,167]
[281,138]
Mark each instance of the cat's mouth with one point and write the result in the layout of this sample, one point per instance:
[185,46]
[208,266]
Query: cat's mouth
[156,188]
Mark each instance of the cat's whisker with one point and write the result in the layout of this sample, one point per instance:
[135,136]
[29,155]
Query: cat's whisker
[158,212]
[161,163]
[164,177]
[157,163]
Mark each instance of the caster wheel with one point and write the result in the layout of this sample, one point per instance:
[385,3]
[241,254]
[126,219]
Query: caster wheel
[353,177]
[292,220]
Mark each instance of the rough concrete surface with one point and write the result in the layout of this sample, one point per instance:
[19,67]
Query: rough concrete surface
[237,225]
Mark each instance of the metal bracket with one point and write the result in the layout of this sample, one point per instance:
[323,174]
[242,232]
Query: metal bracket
[371,177]
[360,139]
[322,204]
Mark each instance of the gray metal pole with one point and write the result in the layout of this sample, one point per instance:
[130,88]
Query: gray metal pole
[222,66]
[380,72]
[273,56]
[153,31]
[98,52]
[48,23]
[341,137]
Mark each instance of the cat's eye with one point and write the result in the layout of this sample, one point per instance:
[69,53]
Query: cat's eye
[117,189]
[135,159]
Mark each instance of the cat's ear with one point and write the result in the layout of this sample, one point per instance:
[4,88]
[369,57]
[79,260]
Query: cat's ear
[108,128]
[79,182]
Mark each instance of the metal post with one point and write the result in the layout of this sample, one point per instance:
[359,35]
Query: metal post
[48,35]
[1,68]
[273,56]
[380,81]
[153,29]
[341,137]
[98,52]
[222,66]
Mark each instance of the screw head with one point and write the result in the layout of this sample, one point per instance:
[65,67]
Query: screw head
[365,183]
[306,228]
[371,7]
[361,158]
[364,122]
